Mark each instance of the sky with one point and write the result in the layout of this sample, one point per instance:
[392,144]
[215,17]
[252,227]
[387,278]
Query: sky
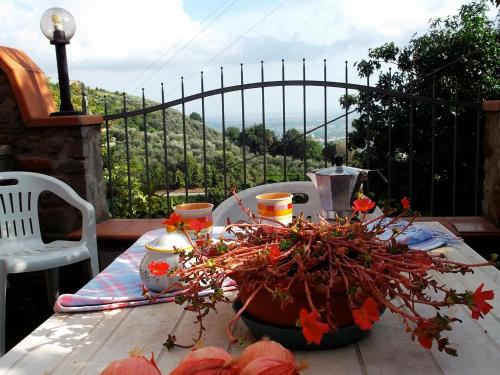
[126,45]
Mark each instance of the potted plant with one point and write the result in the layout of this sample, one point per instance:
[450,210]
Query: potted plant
[324,277]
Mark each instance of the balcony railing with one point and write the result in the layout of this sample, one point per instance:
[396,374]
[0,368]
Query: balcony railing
[422,158]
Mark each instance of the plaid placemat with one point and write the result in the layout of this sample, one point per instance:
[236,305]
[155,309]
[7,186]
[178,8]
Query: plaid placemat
[119,285]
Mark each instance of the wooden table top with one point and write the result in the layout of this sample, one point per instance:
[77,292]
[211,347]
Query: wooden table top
[85,343]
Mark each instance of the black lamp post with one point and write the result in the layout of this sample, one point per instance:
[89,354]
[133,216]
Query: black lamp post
[58,25]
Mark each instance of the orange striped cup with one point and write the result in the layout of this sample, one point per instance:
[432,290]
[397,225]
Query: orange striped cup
[200,212]
[275,206]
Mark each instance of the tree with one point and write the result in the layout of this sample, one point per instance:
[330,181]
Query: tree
[330,152]
[253,138]
[314,150]
[233,134]
[195,116]
[292,140]
[463,49]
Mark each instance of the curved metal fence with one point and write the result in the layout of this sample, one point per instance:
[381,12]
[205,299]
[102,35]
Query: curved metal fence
[373,93]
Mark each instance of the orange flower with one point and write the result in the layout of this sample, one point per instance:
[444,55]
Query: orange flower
[172,221]
[363,204]
[197,225]
[312,329]
[405,202]
[274,253]
[481,307]
[367,314]
[425,342]
[422,331]
[158,268]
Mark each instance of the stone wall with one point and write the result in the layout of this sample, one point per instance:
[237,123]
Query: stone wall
[491,187]
[69,153]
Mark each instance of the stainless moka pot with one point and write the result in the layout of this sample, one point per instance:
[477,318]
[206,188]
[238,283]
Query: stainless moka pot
[337,187]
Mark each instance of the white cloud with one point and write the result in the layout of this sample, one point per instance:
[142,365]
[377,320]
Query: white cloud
[116,40]
[324,22]
[111,34]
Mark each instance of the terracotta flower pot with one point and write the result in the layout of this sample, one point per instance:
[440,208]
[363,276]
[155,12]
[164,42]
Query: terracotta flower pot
[266,310]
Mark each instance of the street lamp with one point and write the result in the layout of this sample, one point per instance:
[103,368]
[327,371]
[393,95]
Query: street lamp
[58,25]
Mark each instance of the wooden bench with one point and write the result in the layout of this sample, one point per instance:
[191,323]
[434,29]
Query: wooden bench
[467,227]
[474,227]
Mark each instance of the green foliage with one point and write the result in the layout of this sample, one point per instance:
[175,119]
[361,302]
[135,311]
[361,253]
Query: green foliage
[254,138]
[233,134]
[330,152]
[292,143]
[347,101]
[195,116]
[462,50]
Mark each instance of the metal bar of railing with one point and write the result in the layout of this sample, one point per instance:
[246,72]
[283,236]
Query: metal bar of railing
[304,108]
[165,147]
[205,174]
[146,152]
[301,82]
[346,117]
[325,143]
[455,144]
[264,141]
[389,142]
[285,177]
[184,141]
[478,150]
[127,156]
[410,157]
[368,133]
[243,130]
[224,161]
[110,174]
[433,145]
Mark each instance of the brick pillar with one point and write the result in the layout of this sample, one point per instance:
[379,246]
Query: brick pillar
[67,148]
[491,187]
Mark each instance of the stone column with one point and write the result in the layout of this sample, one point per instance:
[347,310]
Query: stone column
[67,148]
[491,187]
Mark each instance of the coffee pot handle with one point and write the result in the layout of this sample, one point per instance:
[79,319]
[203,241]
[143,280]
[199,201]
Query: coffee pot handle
[362,177]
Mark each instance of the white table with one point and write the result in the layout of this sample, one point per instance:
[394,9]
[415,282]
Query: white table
[84,343]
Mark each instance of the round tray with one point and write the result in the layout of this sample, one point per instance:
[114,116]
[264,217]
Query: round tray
[292,338]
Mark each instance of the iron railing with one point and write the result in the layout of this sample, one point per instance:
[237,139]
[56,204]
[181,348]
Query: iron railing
[373,93]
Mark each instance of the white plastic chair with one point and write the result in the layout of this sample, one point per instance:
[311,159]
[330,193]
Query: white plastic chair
[21,245]
[310,209]
[229,208]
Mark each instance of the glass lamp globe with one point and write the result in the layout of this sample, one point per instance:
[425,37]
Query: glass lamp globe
[57,19]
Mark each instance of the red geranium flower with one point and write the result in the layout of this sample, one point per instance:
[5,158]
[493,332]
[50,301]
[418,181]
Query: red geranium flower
[197,225]
[425,342]
[312,329]
[367,314]
[158,268]
[481,307]
[405,202]
[173,220]
[363,204]
[422,332]
[274,252]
